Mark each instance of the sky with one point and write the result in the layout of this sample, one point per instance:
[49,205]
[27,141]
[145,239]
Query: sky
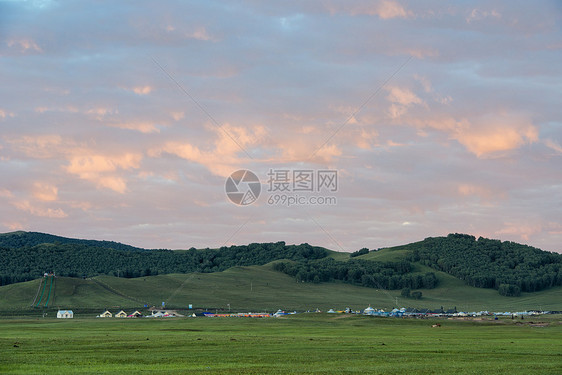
[123,121]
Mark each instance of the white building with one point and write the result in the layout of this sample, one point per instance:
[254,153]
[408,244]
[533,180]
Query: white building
[65,314]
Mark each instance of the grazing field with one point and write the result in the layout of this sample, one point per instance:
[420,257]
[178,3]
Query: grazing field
[303,344]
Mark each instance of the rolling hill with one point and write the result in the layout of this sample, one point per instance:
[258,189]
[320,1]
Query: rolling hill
[258,288]
[261,286]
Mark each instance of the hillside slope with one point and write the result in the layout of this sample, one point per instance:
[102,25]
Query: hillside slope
[508,267]
[80,259]
[259,288]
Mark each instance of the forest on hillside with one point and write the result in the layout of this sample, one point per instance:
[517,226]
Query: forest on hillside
[509,267]
[367,273]
[82,260]
[29,239]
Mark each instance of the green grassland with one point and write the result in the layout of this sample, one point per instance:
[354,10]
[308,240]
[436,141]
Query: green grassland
[303,344]
[259,288]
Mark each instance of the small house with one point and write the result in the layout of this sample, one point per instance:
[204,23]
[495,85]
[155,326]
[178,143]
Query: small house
[65,314]
[105,314]
[121,314]
[136,314]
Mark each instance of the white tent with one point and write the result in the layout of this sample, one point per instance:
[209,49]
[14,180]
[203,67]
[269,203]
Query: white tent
[65,314]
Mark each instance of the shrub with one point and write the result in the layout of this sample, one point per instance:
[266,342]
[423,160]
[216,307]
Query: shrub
[509,290]
[363,251]
[417,295]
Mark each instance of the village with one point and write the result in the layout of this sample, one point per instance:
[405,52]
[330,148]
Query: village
[368,311]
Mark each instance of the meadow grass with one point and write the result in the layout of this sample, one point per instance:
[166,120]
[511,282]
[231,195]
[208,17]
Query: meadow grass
[303,344]
[259,288]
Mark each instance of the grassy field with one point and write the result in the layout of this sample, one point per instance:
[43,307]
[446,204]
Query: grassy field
[259,288]
[303,344]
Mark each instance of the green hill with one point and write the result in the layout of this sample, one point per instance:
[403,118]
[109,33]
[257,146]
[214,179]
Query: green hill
[454,271]
[259,288]
[24,257]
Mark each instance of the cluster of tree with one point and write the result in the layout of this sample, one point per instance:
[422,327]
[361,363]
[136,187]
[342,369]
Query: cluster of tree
[381,275]
[509,267]
[81,260]
[509,290]
[357,253]
[407,293]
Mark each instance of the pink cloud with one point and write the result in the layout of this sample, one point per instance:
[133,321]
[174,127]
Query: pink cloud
[84,206]
[177,116]
[114,183]
[45,192]
[384,9]
[553,145]
[140,126]
[366,139]
[14,225]
[36,210]
[523,230]
[102,169]
[402,96]
[327,153]
[142,90]
[37,146]
[401,99]
[4,114]
[24,45]
[485,136]
[100,112]
[228,152]
[183,150]
[200,34]
[488,139]
[5,193]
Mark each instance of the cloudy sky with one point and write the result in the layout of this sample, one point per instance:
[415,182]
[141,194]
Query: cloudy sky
[122,120]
